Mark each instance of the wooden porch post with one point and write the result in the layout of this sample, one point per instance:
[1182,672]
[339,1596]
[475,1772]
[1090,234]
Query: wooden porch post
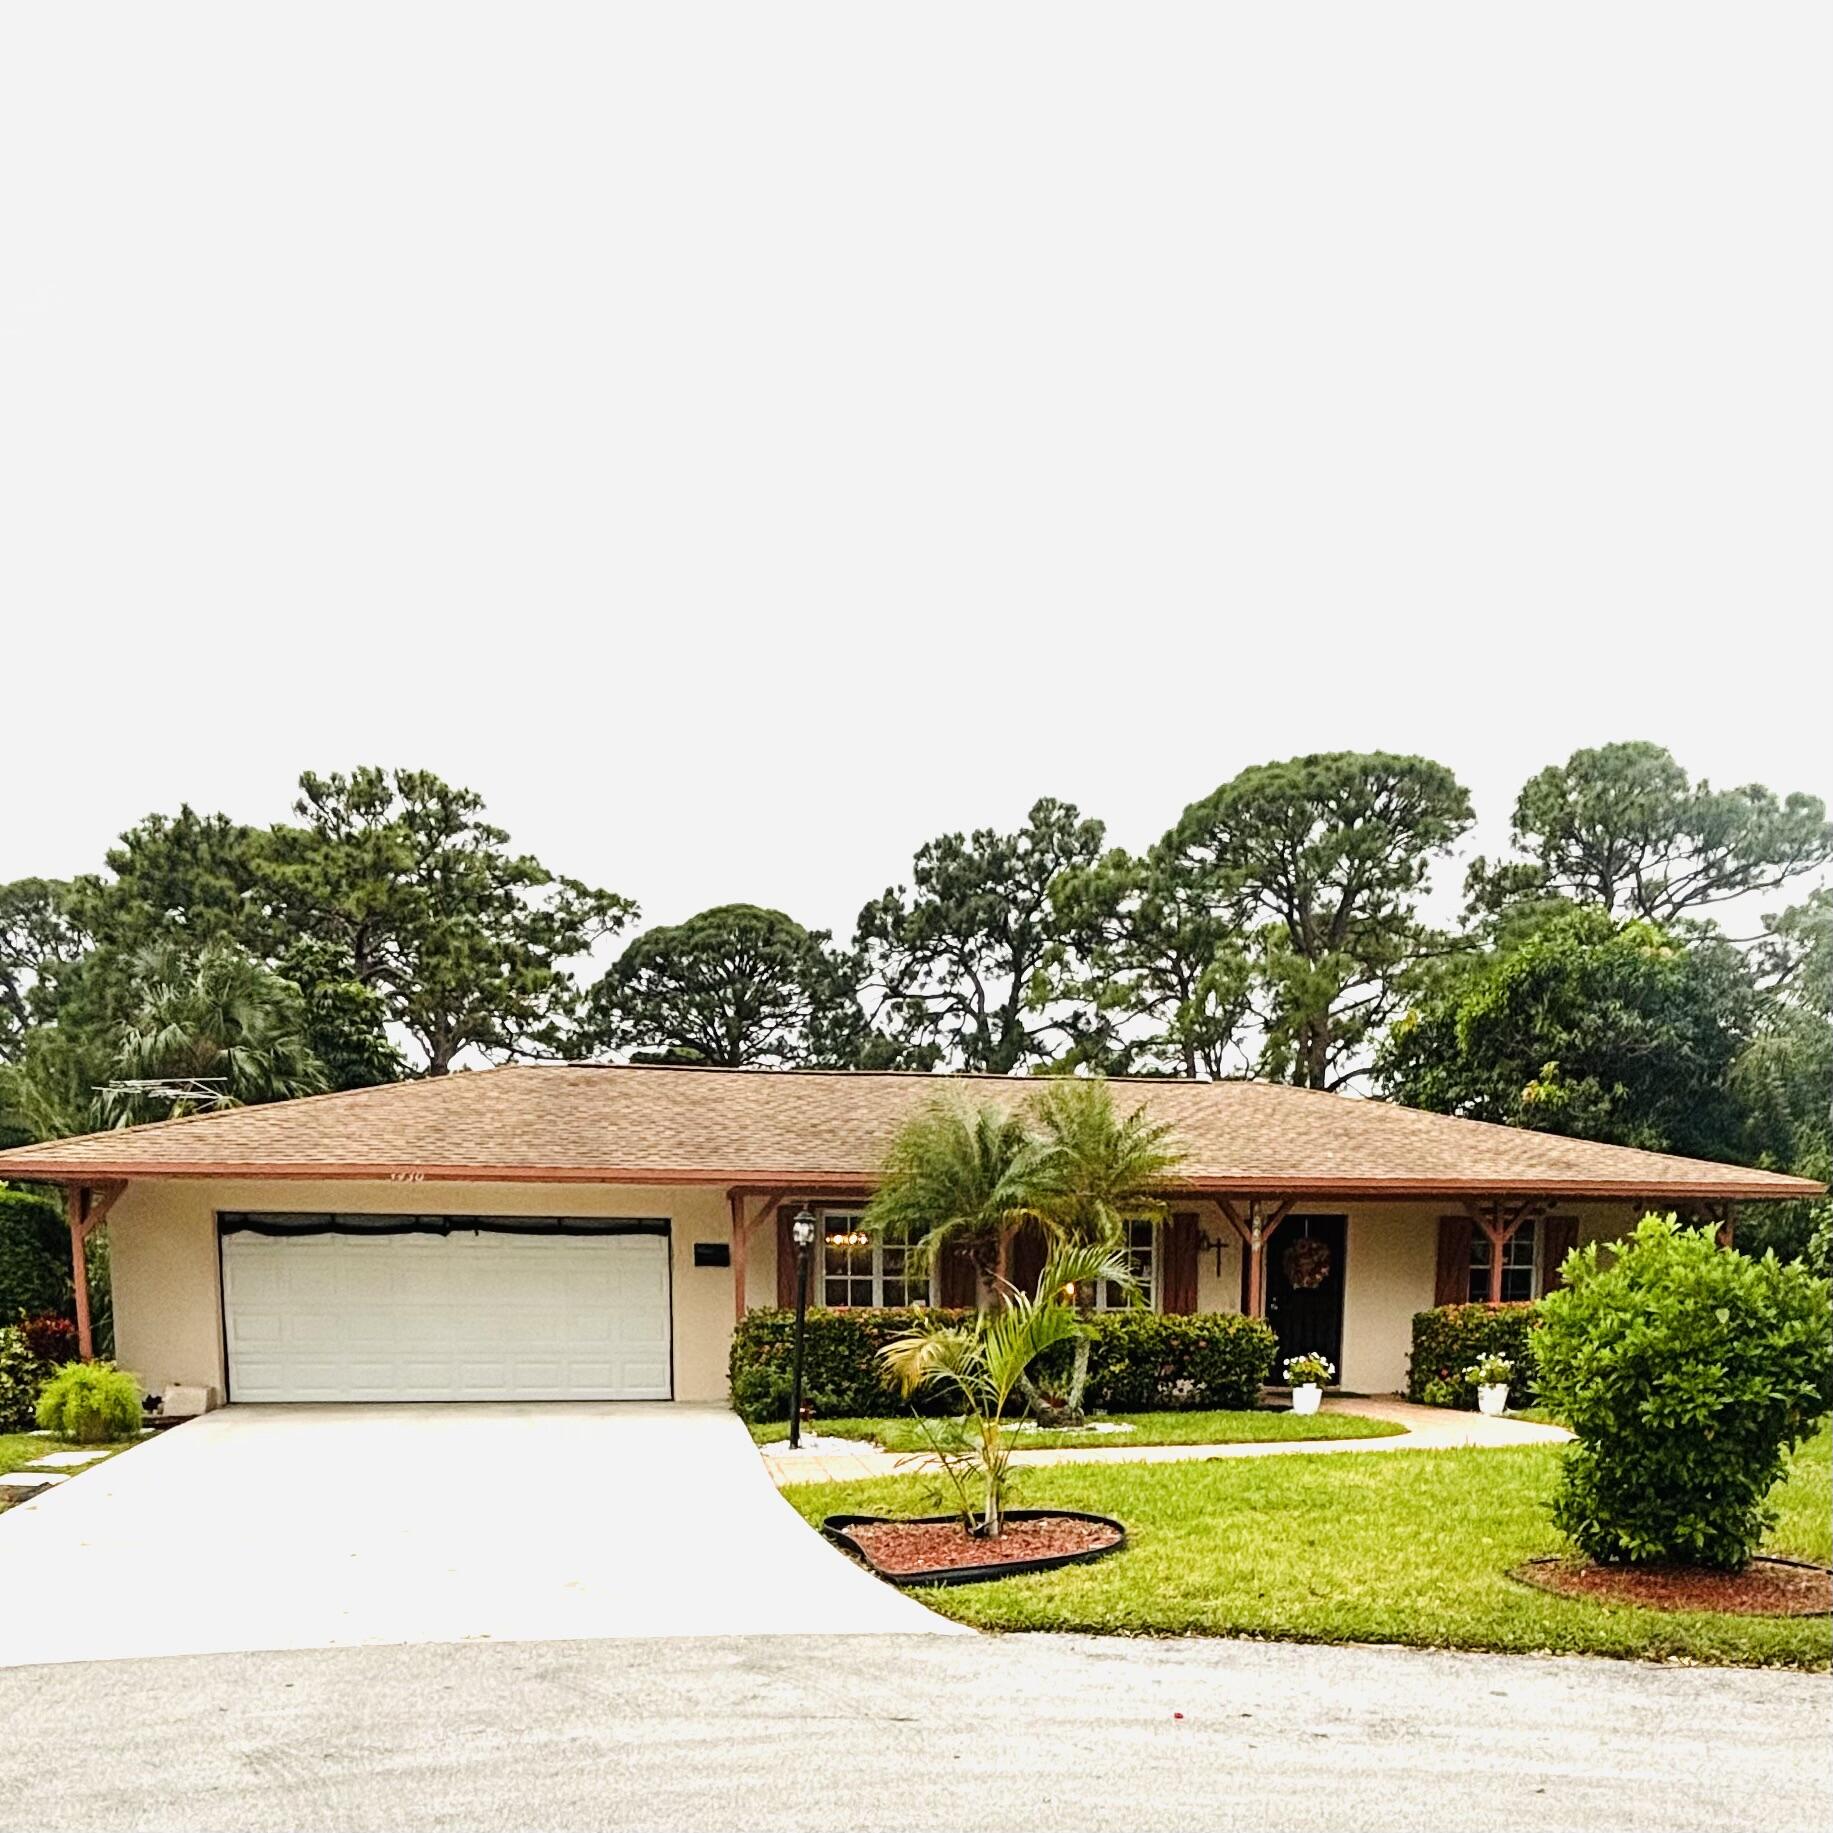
[1489,1218]
[87,1207]
[740,1240]
[76,1206]
[1255,1232]
[742,1227]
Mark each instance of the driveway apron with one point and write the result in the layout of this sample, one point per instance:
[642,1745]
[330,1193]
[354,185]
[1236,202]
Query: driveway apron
[326,1526]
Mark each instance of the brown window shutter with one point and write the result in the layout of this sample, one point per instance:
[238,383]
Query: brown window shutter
[1177,1273]
[786,1259]
[957,1282]
[1027,1256]
[1454,1238]
[1558,1237]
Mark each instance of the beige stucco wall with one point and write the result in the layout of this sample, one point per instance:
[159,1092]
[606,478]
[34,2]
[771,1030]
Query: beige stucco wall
[168,1288]
[167,1283]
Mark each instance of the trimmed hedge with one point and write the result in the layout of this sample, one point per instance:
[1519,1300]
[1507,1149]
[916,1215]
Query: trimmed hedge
[1141,1361]
[1448,1340]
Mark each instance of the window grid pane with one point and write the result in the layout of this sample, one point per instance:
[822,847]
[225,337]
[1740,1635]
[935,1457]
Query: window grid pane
[1141,1253]
[866,1274]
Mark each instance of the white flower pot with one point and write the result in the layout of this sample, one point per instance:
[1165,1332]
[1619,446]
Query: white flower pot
[1305,1399]
[1492,1398]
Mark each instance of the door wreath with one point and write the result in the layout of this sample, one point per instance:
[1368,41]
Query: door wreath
[1307,1263]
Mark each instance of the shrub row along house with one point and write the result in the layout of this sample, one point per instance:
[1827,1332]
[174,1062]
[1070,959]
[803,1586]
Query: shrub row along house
[568,1232]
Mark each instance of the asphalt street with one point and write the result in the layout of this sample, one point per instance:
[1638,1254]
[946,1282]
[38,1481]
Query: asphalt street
[920,1732]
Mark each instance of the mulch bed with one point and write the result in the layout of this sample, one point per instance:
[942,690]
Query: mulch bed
[1765,1588]
[941,1551]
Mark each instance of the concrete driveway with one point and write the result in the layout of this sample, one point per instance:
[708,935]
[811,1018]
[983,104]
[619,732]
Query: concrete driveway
[317,1527]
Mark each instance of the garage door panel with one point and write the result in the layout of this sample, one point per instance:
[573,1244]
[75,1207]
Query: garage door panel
[470,1315]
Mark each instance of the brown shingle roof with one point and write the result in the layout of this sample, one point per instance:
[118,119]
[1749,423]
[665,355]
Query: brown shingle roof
[813,1130]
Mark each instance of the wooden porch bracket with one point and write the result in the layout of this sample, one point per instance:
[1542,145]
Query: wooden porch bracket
[1255,1231]
[1499,1219]
[87,1207]
[741,1242]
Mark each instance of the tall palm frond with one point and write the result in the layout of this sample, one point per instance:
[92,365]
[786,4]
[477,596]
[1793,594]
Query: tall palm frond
[955,1173]
[1093,1171]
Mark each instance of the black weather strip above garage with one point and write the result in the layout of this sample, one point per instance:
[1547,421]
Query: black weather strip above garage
[285,1224]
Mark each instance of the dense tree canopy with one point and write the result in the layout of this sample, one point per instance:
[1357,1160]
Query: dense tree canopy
[1622,828]
[960,966]
[1156,969]
[1620,1032]
[218,1018]
[389,928]
[1323,858]
[733,986]
[38,938]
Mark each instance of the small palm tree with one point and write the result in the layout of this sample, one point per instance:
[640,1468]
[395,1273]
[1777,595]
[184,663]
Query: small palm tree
[958,1175]
[1094,1172]
[983,1361]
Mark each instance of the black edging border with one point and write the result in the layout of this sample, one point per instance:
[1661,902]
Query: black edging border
[834,1528]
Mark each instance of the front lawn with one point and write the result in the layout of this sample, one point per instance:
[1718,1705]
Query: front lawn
[18,1449]
[1411,1547]
[1240,1428]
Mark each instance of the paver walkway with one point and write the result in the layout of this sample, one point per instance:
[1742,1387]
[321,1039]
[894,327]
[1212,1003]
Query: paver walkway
[837,1460]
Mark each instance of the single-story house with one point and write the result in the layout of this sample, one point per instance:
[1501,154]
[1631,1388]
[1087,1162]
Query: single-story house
[551,1232]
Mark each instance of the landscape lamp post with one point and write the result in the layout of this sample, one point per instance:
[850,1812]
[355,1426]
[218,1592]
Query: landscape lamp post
[803,1231]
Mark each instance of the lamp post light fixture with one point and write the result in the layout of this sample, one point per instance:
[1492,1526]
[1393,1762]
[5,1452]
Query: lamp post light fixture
[802,1232]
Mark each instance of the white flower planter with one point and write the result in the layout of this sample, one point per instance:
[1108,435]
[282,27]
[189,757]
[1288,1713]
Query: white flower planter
[1305,1399]
[1492,1398]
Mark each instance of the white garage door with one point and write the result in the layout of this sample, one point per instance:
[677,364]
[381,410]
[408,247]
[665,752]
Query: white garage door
[353,1313]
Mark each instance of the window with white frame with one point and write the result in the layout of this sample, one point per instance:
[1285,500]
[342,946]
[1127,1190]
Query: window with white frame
[864,1270]
[1518,1266]
[1142,1256]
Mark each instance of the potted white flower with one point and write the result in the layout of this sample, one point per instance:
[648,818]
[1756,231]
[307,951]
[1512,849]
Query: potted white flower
[1308,1376]
[1490,1377]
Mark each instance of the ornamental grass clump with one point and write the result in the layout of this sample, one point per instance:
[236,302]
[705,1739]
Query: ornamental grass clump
[91,1403]
[1688,1372]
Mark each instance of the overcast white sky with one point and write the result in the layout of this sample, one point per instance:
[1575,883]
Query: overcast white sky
[745,441]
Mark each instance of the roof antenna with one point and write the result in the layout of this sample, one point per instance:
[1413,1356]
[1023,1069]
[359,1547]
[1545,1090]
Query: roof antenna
[205,1091]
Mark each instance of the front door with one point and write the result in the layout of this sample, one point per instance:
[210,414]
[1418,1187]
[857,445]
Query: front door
[1305,1288]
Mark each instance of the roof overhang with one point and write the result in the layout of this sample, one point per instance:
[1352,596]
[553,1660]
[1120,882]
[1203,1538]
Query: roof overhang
[750,1180]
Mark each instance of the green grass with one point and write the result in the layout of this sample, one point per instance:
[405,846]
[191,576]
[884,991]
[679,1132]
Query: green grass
[1412,1547]
[18,1449]
[1149,1429]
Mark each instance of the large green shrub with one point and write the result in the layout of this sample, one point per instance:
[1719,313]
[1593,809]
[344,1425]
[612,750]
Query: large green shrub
[1688,1373]
[34,1253]
[91,1402]
[1453,1338]
[1139,1361]
[21,1376]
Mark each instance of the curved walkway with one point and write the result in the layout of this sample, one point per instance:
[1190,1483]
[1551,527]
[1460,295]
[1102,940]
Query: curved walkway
[836,1460]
